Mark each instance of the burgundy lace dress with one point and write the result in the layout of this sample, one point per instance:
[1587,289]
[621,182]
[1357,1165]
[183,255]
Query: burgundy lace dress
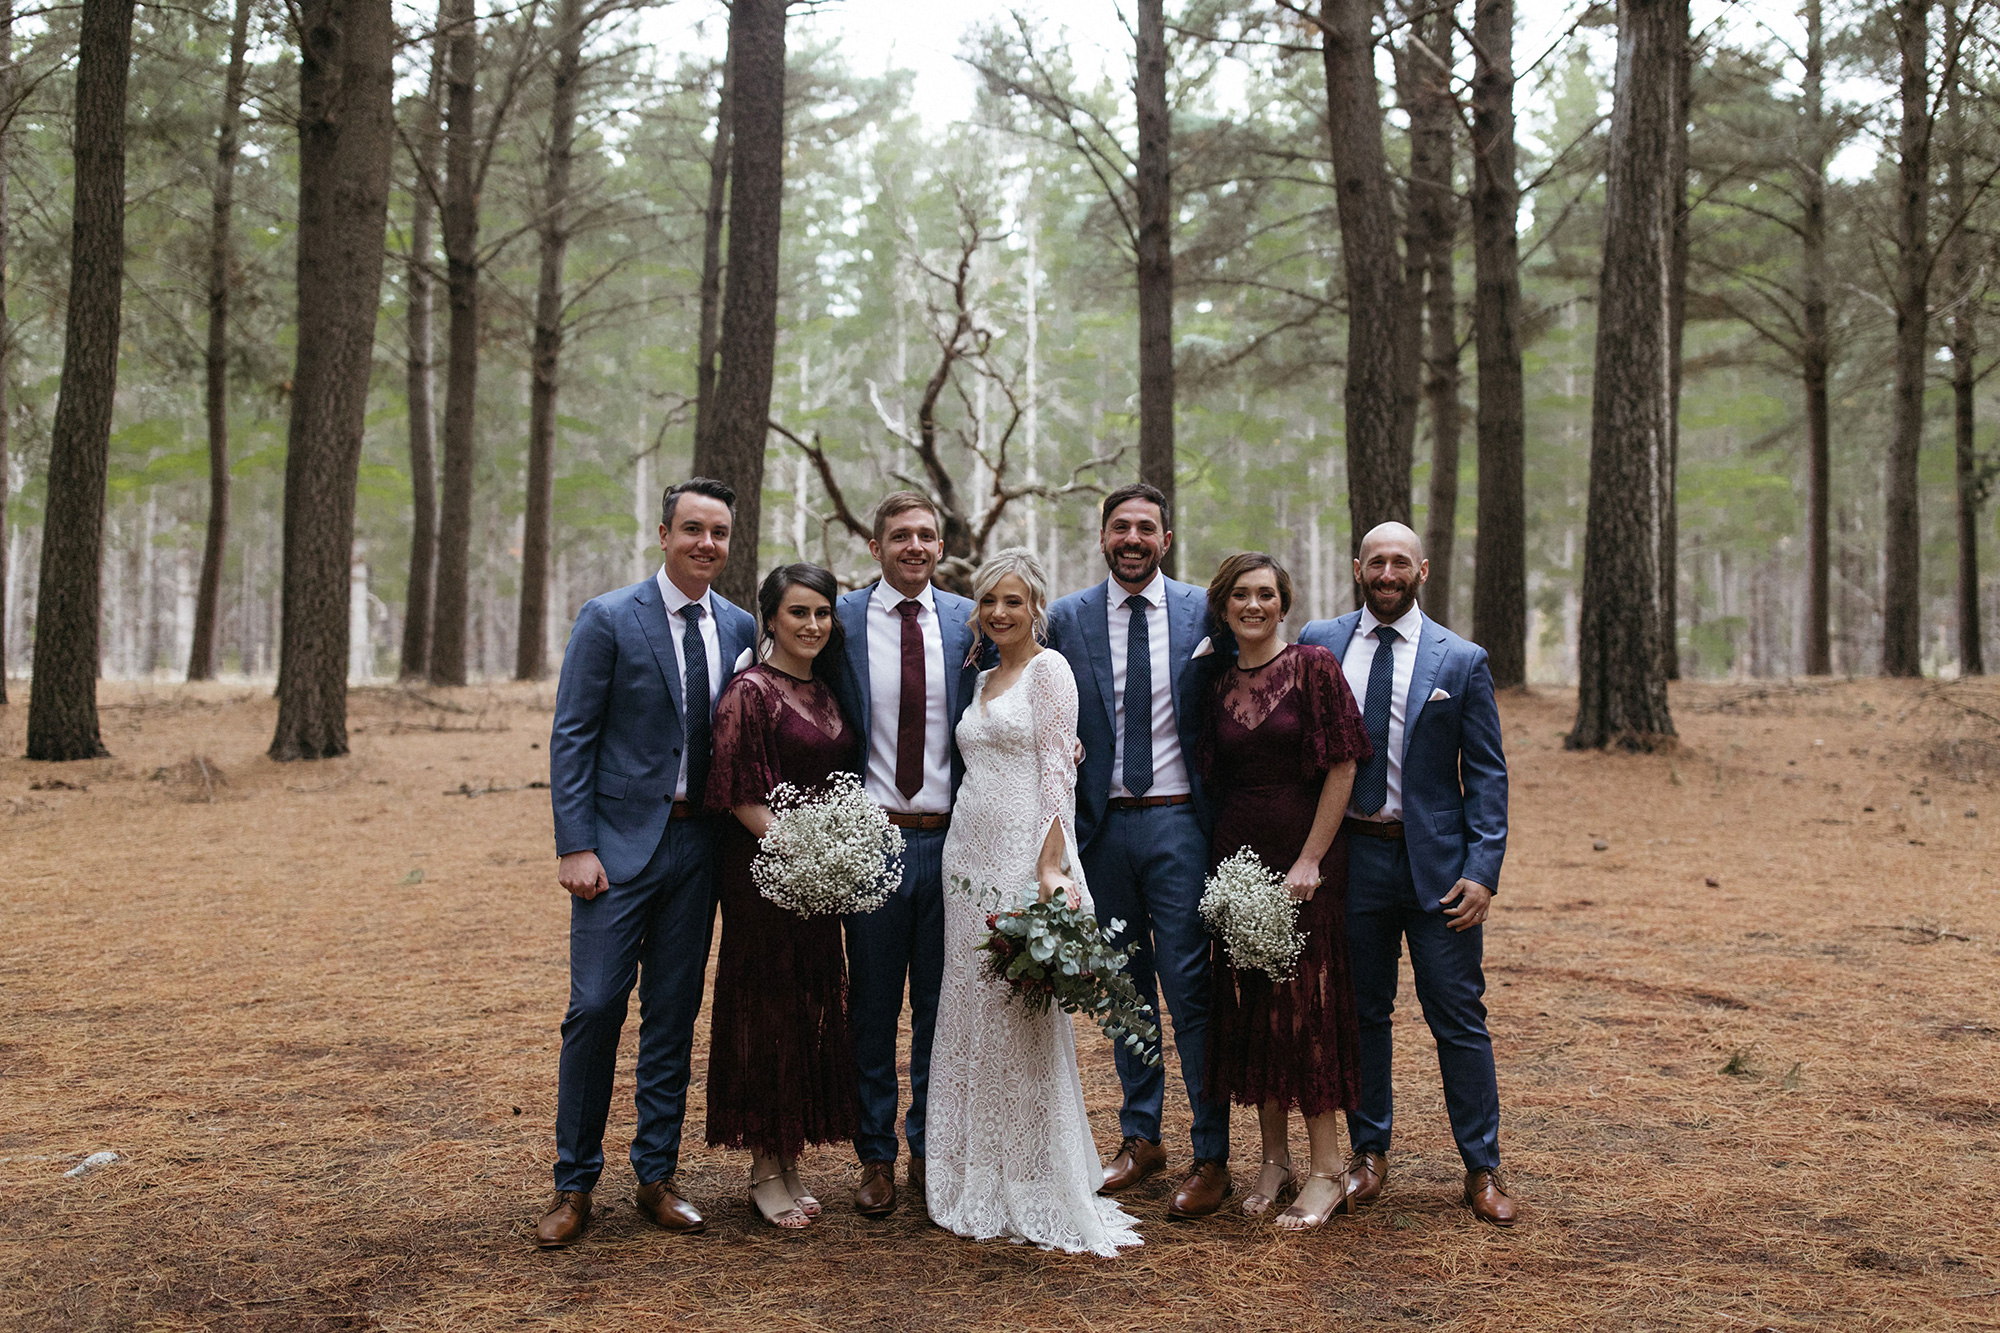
[781,1071]
[1269,735]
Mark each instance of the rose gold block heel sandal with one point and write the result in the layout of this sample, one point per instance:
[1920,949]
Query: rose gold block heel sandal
[792,1219]
[1256,1205]
[1303,1221]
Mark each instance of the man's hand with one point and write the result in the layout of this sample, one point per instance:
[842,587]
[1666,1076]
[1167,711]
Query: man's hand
[582,874]
[1472,899]
[1302,880]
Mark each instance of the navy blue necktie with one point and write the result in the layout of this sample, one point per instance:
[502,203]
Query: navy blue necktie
[1371,784]
[696,717]
[1138,700]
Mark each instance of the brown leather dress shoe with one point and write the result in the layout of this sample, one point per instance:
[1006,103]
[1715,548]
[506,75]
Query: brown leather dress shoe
[1367,1173]
[1136,1160]
[919,1179]
[1202,1192]
[875,1196]
[565,1221]
[1488,1199]
[661,1204]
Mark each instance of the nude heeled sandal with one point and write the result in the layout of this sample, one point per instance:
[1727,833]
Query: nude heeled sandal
[1256,1205]
[792,1219]
[1303,1221]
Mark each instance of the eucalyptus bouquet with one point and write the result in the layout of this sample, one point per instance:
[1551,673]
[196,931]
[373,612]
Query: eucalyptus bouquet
[1246,907]
[828,852]
[1048,953]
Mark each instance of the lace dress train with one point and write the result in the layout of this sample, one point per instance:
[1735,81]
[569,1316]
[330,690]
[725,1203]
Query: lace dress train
[1010,1149]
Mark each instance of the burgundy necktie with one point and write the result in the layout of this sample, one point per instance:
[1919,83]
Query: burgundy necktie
[910,707]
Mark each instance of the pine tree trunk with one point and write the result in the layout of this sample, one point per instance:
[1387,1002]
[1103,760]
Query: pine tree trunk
[1433,228]
[531,655]
[461,251]
[1965,296]
[6,330]
[1500,550]
[420,377]
[62,705]
[1670,514]
[713,217]
[735,452]
[1155,255]
[1815,350]
[1902,590]
[1622,688]
[1378,462]
[208,592]
[346,139]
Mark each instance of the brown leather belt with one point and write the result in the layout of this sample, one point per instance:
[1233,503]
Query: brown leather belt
[683,810]
[924,823]
[1147,802]
[1390,830]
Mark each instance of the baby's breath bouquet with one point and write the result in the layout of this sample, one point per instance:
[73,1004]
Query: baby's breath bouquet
[1049,953]
[1247,908]
[828,852]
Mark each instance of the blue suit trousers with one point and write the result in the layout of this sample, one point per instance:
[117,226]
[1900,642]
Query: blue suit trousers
[1147,868]
[1382,911]
[902,940]
[654,929]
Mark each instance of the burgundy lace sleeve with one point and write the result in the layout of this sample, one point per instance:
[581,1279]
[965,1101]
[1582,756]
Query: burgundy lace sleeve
[1334,730]
[745,767]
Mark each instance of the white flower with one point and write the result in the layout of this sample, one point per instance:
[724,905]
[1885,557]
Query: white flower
[1245,906]
[829,853]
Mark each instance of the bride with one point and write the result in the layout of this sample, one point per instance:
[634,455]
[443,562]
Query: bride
[1010,1150]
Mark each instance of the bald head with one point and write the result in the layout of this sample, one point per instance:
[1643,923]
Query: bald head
[1390,569]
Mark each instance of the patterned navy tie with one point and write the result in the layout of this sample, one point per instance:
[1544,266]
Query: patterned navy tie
[697,720]
[1371,784]
[1138,701]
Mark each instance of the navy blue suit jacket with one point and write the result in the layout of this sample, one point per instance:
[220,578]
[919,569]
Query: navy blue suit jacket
[615,749]
[1454,774]
[1080,629]
[850,679]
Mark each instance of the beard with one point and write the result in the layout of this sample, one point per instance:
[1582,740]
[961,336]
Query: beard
[1391,604]
[1149,563]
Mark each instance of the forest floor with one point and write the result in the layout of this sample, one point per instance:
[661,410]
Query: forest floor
[1749,1052]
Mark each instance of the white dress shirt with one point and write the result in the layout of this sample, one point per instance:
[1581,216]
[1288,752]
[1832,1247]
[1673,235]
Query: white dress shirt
[885,704]
[1170,774]
[674,599]
[1360,660]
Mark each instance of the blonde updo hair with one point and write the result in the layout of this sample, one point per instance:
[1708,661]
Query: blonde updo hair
[1021,563]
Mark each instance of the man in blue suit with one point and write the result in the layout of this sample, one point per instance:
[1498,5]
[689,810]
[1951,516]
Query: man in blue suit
[904,681]
[1142,822]
[1427,830]
[628,757]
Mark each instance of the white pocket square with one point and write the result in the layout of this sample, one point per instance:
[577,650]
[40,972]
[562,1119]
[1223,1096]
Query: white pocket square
[1202,649]
[748,658]
[1439,695]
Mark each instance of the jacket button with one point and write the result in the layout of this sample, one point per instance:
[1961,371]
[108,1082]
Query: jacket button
[677,753]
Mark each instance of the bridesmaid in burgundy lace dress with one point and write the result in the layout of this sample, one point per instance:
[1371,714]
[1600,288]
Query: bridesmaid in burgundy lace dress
[781,1071]
[1281,736]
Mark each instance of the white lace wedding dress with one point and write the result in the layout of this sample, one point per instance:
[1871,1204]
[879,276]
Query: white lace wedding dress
[1009,1144]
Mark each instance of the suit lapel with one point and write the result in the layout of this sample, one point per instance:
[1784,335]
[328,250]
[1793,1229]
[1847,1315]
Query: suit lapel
[1185,610]
[853,612]
[1090,611]
[1423,677]
[954,643]
[1343,634]
[734,637]
[659,630]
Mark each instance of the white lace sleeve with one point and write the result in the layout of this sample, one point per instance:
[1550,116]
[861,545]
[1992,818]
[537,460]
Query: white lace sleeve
[1052,694]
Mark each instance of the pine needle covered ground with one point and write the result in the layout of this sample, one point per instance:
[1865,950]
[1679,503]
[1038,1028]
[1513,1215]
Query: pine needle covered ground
[1749,1052]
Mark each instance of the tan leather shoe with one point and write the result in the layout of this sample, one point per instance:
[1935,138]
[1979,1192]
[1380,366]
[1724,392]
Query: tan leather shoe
[875,1196]
[1136,1160]
[1488,1199]
[1367,1173]
[1202,1192]
[565,1221]
[661,1204]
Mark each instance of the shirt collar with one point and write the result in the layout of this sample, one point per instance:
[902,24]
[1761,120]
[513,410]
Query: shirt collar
[1154,592]
[674,599]
[889,599]
[1408,626]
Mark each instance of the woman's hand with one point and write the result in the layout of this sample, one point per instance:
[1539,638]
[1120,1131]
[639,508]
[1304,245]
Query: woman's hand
[1302,880]
[1054,882]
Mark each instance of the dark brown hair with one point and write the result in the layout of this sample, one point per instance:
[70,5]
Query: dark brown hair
[902,502]
[709,486]
[813,579]
[1138,490]
[1230,572]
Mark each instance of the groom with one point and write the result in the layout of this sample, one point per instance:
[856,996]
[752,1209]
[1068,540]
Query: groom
[628,757]
[1142,821]
[904,683]
[1427,830]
